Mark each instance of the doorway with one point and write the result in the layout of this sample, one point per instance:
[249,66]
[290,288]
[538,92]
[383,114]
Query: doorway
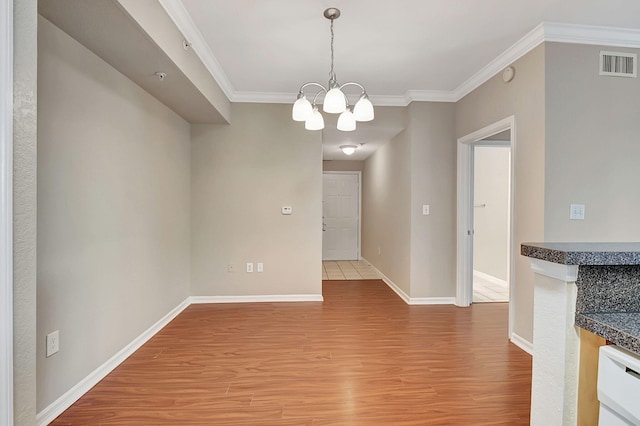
[491,177]
[341,215]
[465,212]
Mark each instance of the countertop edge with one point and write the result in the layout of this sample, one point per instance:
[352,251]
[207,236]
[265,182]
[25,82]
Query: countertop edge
[609,332]
[584,253]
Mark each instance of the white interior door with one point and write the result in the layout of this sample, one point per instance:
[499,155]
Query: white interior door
[341,216]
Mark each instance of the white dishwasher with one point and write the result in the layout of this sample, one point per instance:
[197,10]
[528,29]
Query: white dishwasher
[618,387]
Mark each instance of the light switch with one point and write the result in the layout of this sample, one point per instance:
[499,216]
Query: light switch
[425,209]
[576,212]
[287,210]
[260,267]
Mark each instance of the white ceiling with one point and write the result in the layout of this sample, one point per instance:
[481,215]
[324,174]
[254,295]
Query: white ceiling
[266,49]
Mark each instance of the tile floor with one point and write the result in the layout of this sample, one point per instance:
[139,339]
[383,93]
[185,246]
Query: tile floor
[348,270]
[485,291]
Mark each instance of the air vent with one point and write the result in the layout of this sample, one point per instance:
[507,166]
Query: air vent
[618,64]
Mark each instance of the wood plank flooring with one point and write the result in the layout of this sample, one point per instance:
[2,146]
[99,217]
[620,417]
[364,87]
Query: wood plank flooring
[362,357]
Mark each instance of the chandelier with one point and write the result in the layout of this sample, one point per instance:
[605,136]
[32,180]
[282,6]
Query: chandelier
[335,100]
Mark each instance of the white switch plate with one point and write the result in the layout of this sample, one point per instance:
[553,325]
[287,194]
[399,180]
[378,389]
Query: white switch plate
[425,209]
[230,267]
[576,212]
[287,210]
[260,267]
[249,267]
[53,343]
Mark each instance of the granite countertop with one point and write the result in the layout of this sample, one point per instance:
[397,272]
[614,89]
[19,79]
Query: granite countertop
[608,301]
[584,253]
[622,329]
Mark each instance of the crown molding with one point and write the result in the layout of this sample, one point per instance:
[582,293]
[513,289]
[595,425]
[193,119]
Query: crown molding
[390,100]
[551,32]
[586,34]
[179,15]
[527,43]
[431,96]
[544,32]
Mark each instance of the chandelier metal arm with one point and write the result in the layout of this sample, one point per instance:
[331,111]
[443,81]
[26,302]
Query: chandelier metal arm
[311,83]
[315,98]
[353,83]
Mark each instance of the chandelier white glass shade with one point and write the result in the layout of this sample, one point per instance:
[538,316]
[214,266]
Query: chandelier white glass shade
[335,100]
[348,149]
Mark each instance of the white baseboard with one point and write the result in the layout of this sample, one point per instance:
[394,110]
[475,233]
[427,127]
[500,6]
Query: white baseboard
[432,301]
[254,299]
[57,407]
[412,300]
[523,344]
[489,278]
[404,296]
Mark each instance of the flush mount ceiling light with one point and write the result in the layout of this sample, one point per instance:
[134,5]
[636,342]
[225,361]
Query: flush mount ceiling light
[335,100]
[348,149]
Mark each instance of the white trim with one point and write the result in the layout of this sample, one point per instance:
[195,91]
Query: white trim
[588,34]
[6,213]
[57,407]
[257,299]
[464,237]
[544,32]
[566,273]
[430,96]
[390,100]
[464,224]
[489,278]
[411,300]
[522,343]
[513,53]
[404,296]
[179,15]
[432,301]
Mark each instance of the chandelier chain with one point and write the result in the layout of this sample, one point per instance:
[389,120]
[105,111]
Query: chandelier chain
[332,74]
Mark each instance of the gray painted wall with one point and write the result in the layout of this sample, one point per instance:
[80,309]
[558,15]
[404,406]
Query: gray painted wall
[417,167]
[433,182]
[24,210]
[592,150]
[242,174]
[386,210]
[523,97]
[113,211]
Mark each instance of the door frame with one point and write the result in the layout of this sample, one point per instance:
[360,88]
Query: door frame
[359,174]
[6,212]
[464,227]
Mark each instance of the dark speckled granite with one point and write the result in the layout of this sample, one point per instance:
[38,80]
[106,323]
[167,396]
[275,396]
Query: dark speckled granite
[621,329]
[584,253]
[608,299]
[608,288]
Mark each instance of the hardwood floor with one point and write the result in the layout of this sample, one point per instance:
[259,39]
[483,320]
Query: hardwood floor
[362,357]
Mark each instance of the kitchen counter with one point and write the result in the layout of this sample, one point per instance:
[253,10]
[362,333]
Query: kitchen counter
[584,253]
[608,286]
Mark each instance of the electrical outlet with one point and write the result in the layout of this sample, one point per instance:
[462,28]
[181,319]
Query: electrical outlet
[230,267]
[249,267]
[425,209]
[53,343]
[576,212]
[260,267]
